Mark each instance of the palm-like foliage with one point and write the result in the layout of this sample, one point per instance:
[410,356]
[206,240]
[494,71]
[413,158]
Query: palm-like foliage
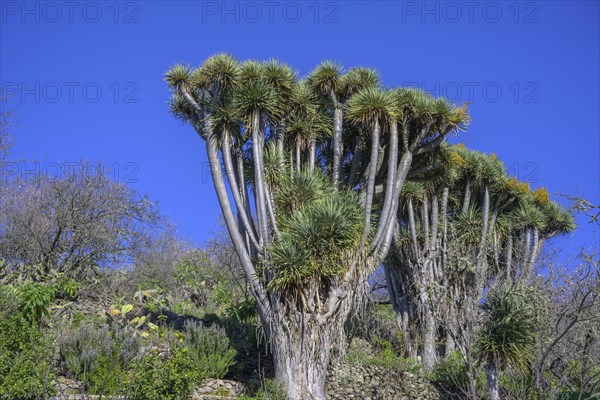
[317,239]
[326,78]
[306,122]
[178,76]
[468,227]
[258,96]
[219,72]
[509,327]
[302,187]
[558,220]
[280,77]
[275,166]
[370,105]
[357,79]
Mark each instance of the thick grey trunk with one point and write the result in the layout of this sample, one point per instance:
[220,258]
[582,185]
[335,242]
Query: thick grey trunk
[467,198]
[425,216]
[298,157]
[527,245]
[311,155]
[371,179]
[429,331]
[259,188]
[281,138]
[435,214]
[450,343]
[391,177]
[491,373]
[235,190]
[509,256]
[337,143]
[305,336]
[236,238]
[484,229]
[481,253]
[302,355]
[533,255]
[445,229]
[382,247]
[413,229]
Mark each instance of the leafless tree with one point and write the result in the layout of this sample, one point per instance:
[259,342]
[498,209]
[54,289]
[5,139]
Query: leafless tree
[72,224]
[568,353]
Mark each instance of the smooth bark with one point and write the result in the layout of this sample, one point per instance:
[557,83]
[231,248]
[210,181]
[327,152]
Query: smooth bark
[491,373]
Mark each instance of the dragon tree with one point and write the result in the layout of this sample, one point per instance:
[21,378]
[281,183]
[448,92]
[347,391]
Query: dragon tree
[465,226]
[308,173]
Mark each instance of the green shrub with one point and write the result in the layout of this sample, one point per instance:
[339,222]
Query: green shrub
[99,356]
[209,349]
[68,288]
[35,299]
[451,374]
[270,390]
[170,379]
[451,371]
[25,353]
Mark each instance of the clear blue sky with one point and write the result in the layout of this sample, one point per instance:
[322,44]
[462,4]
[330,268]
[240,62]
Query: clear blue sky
[87,79]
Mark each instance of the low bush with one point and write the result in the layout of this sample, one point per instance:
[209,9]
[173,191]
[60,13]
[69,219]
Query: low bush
[25,353]
[99,356]
[35,299]
[209,349]
[270,389]
[170,379]
[450,374]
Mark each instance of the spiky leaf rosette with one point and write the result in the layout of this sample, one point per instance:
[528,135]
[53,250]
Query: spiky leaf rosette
[358,79]
[220,72]
[417,110]
[226,116]
[326,78]
[468,227]
[482,169]
[303,187]
[178,76]
[370,105]
[281,77]
[258,96]
[509,327]
[413,190]
[275,165]
[306,121]
[317,240]
[528,215]
[180,108]
[250,72]
[558,220]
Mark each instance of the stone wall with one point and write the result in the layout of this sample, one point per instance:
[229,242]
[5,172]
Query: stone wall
[371,382]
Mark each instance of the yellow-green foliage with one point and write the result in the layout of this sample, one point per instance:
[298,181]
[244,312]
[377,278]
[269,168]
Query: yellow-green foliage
[520,188]
[542,197]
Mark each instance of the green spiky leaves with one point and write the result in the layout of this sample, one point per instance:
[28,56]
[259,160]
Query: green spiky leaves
[509,327]
[358,79]
[370,105]
[178,76]
[326,78]
[219,72]
[320,232]
[258,96]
